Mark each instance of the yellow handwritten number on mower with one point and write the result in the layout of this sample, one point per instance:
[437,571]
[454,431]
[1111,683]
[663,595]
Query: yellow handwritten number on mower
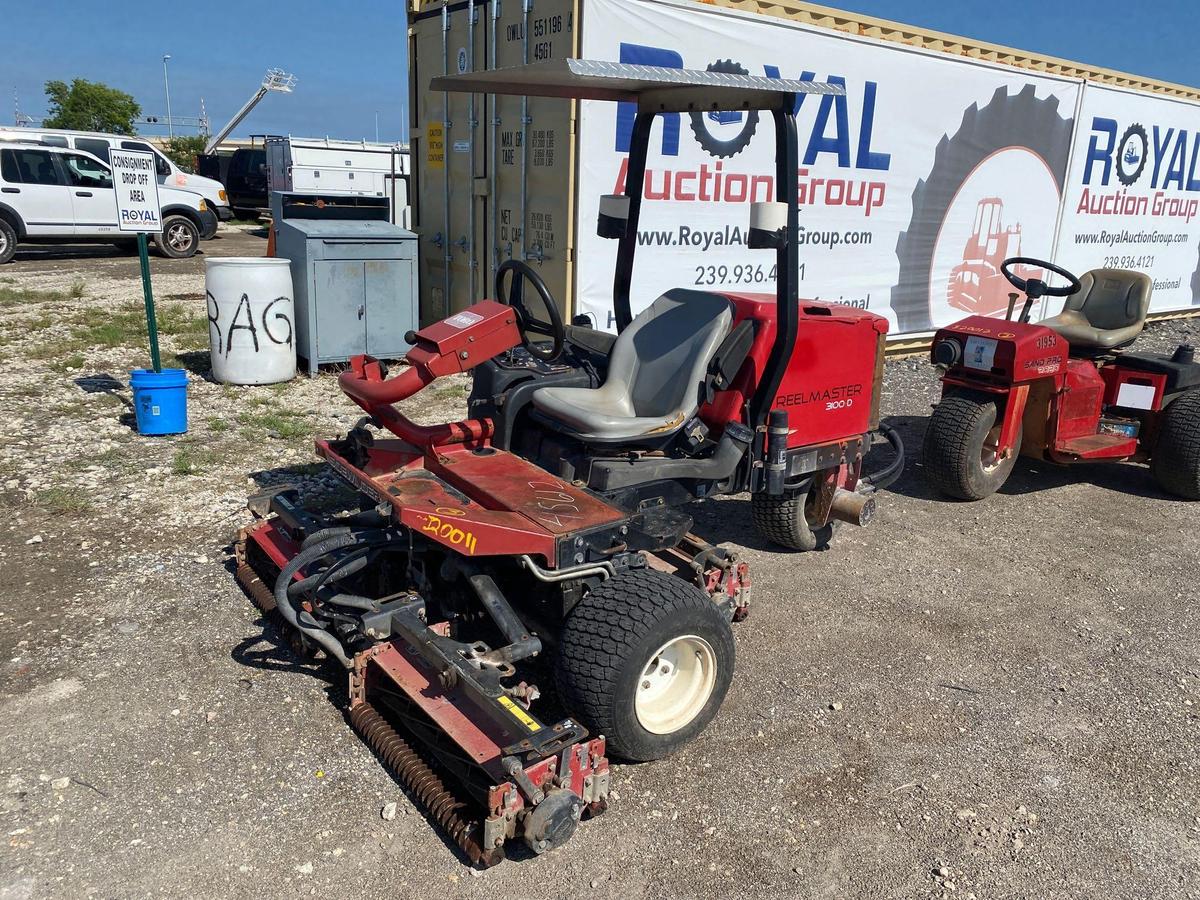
[450,533]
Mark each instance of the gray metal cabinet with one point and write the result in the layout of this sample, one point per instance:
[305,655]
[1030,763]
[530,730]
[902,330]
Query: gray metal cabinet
[355,285]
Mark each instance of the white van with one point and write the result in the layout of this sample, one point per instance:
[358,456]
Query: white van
[55,195]
[97,144]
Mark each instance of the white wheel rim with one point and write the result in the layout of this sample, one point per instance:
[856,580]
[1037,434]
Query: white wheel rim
[675,684]
[3,242]
[989,454]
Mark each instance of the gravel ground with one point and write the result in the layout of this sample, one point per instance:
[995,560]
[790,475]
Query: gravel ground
[963,700]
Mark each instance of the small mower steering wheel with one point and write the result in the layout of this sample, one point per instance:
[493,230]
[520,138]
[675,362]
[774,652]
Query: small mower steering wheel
[515,297]
[1035,288]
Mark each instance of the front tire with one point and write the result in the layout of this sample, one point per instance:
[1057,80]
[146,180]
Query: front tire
[180,238]
[8,242]
[646,660]
[1175,464]
[960,457]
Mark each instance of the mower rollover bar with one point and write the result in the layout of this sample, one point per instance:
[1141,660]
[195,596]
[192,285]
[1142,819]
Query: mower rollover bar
[656,90]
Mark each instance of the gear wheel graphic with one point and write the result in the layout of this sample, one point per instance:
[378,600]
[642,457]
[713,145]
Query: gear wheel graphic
[724,149]
[1019,120]
[1123,176]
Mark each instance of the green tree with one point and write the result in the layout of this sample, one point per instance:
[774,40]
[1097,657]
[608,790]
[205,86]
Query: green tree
[90,106]
[183,149]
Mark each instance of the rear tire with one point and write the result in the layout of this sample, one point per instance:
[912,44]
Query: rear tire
[956,455]
[1175,464]
[180,238]
[8,242]
[645,659]
[784,521]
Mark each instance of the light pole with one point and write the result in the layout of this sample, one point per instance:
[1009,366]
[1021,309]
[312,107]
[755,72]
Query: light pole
[167,84]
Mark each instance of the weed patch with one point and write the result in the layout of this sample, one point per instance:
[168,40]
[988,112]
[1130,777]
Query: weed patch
[193,460]
[61,501]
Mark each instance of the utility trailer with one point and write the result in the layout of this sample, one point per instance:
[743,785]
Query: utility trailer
[323,166]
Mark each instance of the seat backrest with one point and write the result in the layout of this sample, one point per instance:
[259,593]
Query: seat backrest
[1112,298]
[662,358]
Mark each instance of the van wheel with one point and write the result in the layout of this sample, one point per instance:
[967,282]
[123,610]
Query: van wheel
[180,238]
[8,241]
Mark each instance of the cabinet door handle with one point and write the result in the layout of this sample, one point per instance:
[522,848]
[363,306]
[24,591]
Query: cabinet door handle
[361,310]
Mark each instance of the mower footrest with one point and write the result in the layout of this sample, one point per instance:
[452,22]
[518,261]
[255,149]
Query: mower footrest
[1098,446]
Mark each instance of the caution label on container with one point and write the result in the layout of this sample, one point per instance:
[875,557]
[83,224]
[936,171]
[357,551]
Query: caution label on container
[435,146]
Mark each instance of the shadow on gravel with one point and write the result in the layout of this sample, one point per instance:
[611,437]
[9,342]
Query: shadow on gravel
[53,252]
[271,652]
[197,362]
[1030,476]
[103,383]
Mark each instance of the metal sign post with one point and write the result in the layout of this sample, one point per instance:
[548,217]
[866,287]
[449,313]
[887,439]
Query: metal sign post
[138,210]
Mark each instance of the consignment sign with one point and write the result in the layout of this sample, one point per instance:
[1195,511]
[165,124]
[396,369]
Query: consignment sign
[136,184]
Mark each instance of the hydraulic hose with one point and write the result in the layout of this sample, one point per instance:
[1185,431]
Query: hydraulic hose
[885,477]
[283,602]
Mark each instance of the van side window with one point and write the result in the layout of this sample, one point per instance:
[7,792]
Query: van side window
[85,172]
[160,164]
[94,146]
[8,167]
[54,140]
[34,167]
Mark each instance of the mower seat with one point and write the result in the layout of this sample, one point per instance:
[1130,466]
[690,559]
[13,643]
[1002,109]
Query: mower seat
[1108,310]
[655,374]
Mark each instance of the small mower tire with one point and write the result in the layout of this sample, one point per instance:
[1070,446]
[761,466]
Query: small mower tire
[1175,464]
[784,521]
[954,448]
[617,634]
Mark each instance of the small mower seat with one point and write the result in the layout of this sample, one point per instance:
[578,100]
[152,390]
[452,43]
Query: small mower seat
[1108,310]
[657,367]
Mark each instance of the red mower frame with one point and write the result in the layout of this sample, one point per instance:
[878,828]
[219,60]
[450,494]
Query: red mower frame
[485,552]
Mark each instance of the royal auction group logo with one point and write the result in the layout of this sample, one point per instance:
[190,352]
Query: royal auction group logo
[1131,158]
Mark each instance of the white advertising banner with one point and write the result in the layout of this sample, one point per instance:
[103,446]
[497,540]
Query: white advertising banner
[1133,195]
[913,187]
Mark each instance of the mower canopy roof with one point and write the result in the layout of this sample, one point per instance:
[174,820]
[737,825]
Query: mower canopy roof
[653,88]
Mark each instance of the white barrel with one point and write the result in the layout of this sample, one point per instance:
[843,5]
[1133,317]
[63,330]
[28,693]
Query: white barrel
[251,321]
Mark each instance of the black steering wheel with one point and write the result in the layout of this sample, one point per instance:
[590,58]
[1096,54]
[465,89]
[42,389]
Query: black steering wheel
[515,297]
[1036,288]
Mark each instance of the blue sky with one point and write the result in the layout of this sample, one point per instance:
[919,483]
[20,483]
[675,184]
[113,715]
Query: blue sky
[351,58]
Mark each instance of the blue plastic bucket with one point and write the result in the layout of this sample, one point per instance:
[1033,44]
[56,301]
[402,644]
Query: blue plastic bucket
[160,400]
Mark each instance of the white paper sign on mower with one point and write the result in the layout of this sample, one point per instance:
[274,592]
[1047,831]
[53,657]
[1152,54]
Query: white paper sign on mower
[136,184]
